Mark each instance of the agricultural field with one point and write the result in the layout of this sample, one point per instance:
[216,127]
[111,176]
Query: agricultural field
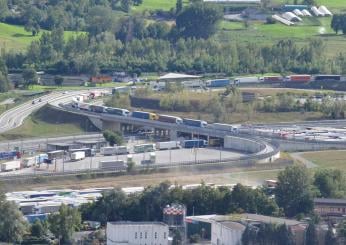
[14,37]
[327,159]
[165,5]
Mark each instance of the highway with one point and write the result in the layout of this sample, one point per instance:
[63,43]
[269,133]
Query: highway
[15,117]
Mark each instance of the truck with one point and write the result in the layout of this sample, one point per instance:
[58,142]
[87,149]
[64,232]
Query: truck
[170,119]
[113,165]
[88,151]
[41,158]
[195,123]
[144,115]
[298,78]
[83,106]
[77,156]
[271,79]
[198,143]
[55,154]
[9,155]
[168,145]
[117,111]
[217,83]
[144,148]
[113,150]
[97,108]
[245,80]
[223,127]
[10,166]
[28,162]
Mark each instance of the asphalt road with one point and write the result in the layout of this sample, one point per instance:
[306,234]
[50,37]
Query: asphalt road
[15,117]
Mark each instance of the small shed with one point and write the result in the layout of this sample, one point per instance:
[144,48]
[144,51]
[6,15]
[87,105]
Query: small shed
[92,144]
[61,146]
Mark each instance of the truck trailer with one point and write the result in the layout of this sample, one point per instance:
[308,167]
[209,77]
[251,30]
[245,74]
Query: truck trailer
[113,165]
[77,156]
[194,143]
[10,166]
[168,145]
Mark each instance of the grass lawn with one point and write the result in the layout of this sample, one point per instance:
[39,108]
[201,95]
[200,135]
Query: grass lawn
[13,37]
[336,5]
[328,159]
[47,122]
[63,88]
[156,5]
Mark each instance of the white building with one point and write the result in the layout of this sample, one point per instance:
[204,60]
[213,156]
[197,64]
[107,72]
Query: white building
[137,233]
[226,233]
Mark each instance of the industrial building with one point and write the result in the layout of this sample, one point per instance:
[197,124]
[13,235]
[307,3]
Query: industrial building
[137,233]
[228,229]
[330,207]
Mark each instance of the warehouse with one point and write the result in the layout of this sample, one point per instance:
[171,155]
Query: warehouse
[137,233]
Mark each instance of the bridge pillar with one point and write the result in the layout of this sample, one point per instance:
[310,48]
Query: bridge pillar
[114,126]
[173,134]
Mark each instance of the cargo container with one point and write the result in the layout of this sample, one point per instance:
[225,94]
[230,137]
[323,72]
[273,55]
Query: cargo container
[117,111]
[88,151]
[97,108]
[217,83]
[194,143]
[327,78]
[10,166]
[39,159]
[28,162]
[83,106]
[77,156]
[195,123]
[144,148]
[298,78]
[113,150]
[124,89]
[113,165]
[223,127]
[244,80]
[55,154]
[144,115]
[269,79]
[168,145]
[170,119]
[9,155]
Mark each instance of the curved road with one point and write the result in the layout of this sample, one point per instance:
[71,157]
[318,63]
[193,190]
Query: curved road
[15,117]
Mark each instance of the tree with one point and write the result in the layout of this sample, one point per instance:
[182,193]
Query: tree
[330,238]
[331,183]
[3,9]
[179,6]
[130,165]
[113,138]
[30,77]
[198,20]
[293,192]
[177,238]
[12,223]
[126,5]
[58,80]
[311,235]
[64,223]
[38,229]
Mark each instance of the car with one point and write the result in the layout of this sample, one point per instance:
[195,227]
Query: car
[40,100]
[65,92]
[33,102]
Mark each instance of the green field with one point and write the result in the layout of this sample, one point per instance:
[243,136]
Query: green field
[47,123]
[157,4]
[328,159]
[335,5]
[16,38]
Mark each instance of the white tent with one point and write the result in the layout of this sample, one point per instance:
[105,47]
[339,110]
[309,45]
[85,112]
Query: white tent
[291,17]
[176,76]
[282,20]
[316,12]
[306,12]
[324,11]
[298,12]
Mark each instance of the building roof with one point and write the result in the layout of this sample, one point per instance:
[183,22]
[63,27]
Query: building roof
[137,223]
[90,141]
[332,201]
[270,219]
[62,144]
[173,76]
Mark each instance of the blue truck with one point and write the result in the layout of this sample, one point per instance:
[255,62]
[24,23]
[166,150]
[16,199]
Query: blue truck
[9,155]
[194,143]
[195,123]
[218,83]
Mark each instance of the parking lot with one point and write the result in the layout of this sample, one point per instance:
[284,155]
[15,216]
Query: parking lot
[162,157]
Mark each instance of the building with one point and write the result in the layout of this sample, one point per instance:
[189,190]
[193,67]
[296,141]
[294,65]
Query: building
[92,144]
[228,229]
[58,146]
[330,206]
[137,233]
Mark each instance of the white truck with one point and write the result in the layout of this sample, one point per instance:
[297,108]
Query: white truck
[245,80]
[10,166]
[167,145]
[77,156]
[114,150]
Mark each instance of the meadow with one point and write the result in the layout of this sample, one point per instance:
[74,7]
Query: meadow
[328,159]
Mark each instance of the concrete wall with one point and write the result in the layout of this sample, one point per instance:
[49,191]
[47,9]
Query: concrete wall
[242,144]
[286,145]
[223,235]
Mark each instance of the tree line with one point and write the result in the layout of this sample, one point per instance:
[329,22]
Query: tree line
[338,23]
[293,198]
